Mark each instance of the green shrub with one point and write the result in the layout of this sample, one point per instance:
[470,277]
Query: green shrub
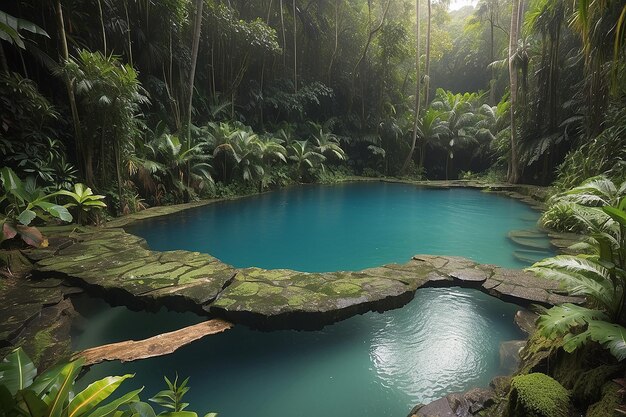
[538,395]
[372,173]
[467,175]
[604,155]
[560,217]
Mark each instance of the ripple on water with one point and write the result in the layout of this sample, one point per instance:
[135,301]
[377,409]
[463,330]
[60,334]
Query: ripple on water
[374,365]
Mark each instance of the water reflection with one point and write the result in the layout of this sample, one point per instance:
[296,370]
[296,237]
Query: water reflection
[443,347]
[445,340]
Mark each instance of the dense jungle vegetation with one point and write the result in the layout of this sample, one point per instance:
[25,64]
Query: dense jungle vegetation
[108,107]
[153,102]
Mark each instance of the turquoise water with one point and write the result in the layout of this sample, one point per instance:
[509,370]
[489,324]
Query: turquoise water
[374,365]
[351,227]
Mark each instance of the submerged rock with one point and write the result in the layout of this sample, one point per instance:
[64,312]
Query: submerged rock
[510,354]
[527,321]
[465,404]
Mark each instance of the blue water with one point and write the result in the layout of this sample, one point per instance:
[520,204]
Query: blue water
[374,365]
[348,227]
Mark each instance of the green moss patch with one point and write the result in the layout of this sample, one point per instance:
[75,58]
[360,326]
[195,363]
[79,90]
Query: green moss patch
[538,395]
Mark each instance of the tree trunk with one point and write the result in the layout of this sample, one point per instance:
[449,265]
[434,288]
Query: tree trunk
[513,162]
[370,37]
[492,82]
[81,161]
[3,60]
[118,170]
[427,69]
[130,45]
[192,74]
[295,50]
[417,86]
[332,57]
[104,36]
[282,26]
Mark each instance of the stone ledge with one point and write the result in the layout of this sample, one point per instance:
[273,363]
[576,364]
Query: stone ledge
[117,266]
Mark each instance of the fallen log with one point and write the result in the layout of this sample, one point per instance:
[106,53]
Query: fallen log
[163,344]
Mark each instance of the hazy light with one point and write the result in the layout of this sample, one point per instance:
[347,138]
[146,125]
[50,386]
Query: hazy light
[457,4]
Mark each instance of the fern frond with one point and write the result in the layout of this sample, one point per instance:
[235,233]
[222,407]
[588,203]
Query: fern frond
[559,320]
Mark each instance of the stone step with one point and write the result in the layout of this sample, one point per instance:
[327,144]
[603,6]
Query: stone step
[530,256]
[528,233]
[531,242]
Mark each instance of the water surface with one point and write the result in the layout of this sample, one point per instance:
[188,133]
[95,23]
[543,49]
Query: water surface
[353,226]
[374,365]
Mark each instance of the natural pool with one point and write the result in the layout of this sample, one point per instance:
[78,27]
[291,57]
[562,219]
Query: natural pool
[374,365]
[445,340]
[350,227]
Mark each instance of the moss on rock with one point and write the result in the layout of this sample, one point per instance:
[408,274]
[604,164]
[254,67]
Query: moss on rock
[607,404]
[538,395]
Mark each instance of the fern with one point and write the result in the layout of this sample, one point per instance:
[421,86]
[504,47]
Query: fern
[581,277]
[610,335]
[558,320]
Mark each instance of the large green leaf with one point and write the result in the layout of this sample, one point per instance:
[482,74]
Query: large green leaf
[581,276]
[558,320]
[26,217]
[7,402]
[141,409]
[112,407]
[10,35]
[575,264]
[17,371]
[55,210]
[18,24]
[610,335]
[94,394]
[616,214]
[28,400]
[179,414]
[61,393]
[13,185]
[44,382]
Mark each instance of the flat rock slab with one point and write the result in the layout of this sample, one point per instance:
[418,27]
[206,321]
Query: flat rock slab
[111,260]
[156,212]
[120,267]
[22,301]
[33,315]
[159,345]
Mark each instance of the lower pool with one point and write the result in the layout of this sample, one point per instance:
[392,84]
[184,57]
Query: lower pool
[377,365]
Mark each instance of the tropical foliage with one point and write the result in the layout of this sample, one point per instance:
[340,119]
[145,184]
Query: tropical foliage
[23,202]
[598,207]
[25,392]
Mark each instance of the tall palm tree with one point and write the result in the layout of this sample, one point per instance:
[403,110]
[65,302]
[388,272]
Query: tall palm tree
[431,128]
[327,143]
[223,134]
[304,157]
[192,71]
